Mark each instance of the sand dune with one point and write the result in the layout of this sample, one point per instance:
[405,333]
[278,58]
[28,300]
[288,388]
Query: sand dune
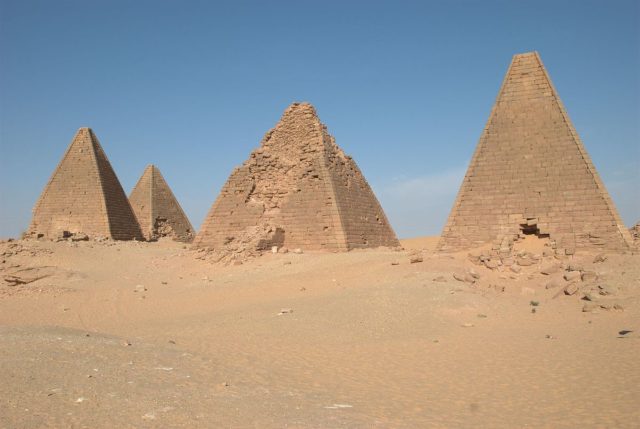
[146,335]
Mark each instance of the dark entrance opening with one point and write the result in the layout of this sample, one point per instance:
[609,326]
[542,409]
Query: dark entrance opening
[532,230]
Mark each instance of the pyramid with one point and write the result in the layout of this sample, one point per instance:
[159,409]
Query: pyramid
[530,174]
[297,190]
[84,196]
[157,209]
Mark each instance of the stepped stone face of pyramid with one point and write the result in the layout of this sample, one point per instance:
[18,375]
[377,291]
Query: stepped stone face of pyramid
[297,190]
[157,209]
[530,174]
[84,196]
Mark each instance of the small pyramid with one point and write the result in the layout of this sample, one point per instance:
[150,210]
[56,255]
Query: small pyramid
[157,209]
[84,196]
[531,175]
[297,190]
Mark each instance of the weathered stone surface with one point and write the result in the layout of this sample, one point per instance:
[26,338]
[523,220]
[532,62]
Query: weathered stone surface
[589,276]
[550,268]
[572,275]
[600,257]
[299,182]
[571,289]
[157,209]
[530,174]
[84,196]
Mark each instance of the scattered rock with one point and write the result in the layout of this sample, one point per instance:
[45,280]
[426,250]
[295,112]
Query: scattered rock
[575,267]
[395,263]
[607,290]
[572,275]
[600,257]
[285,311]
[590,308]
[274,249]
[571,289]
[283,250]
[467,325]
[468,278]
[589,276]
[590,297]
[525,261]
[618,307]
[492,264]
[140,288]
[459,277]
[473,273]
[297,251]
[515,268]
[552,284]
[415,259]
[549,269]
[440,279]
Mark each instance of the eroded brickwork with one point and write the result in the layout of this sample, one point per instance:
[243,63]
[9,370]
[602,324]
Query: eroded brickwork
[84,196]
[298,189]
[157,209]
[530,174]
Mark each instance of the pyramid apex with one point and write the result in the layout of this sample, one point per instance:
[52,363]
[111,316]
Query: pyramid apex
[526,54]
[301,107]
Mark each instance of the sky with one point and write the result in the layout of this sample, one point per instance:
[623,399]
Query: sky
[405,87]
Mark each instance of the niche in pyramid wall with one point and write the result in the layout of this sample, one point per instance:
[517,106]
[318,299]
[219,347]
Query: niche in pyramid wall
[298,189]
[531,173]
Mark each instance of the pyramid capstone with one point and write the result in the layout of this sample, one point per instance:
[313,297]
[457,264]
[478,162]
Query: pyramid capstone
[530,174]
[297,190]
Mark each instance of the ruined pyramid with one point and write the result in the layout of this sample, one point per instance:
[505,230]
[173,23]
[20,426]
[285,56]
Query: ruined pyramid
[297,190]
[157,209]
[531,175]
[84,196]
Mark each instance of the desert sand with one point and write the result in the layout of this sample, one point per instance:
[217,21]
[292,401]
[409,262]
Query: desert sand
[130,334]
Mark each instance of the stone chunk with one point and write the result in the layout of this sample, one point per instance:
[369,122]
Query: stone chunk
[550,269]
[572,275]
[571,289]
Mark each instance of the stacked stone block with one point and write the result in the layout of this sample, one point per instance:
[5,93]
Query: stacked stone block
[157,209]
[301,190]
[84,196]
[530,174]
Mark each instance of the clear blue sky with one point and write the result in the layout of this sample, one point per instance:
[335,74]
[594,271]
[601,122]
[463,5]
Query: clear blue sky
[405,87]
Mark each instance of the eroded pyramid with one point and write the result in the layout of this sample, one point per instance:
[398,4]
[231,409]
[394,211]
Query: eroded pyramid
[157,209]
[84,196]
[297,190]
[530,174]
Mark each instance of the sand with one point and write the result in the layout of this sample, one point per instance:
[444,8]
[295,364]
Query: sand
[146,335]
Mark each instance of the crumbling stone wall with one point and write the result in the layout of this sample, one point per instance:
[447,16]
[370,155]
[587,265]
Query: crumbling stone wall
[157,209]
[530,174]
[84,196]
[300,182]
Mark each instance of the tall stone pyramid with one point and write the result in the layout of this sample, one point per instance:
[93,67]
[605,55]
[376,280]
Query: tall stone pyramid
[297,190]
[84,196]
[530,174]
[157,209]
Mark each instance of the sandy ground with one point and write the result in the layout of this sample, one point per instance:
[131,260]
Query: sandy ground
[132,335]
